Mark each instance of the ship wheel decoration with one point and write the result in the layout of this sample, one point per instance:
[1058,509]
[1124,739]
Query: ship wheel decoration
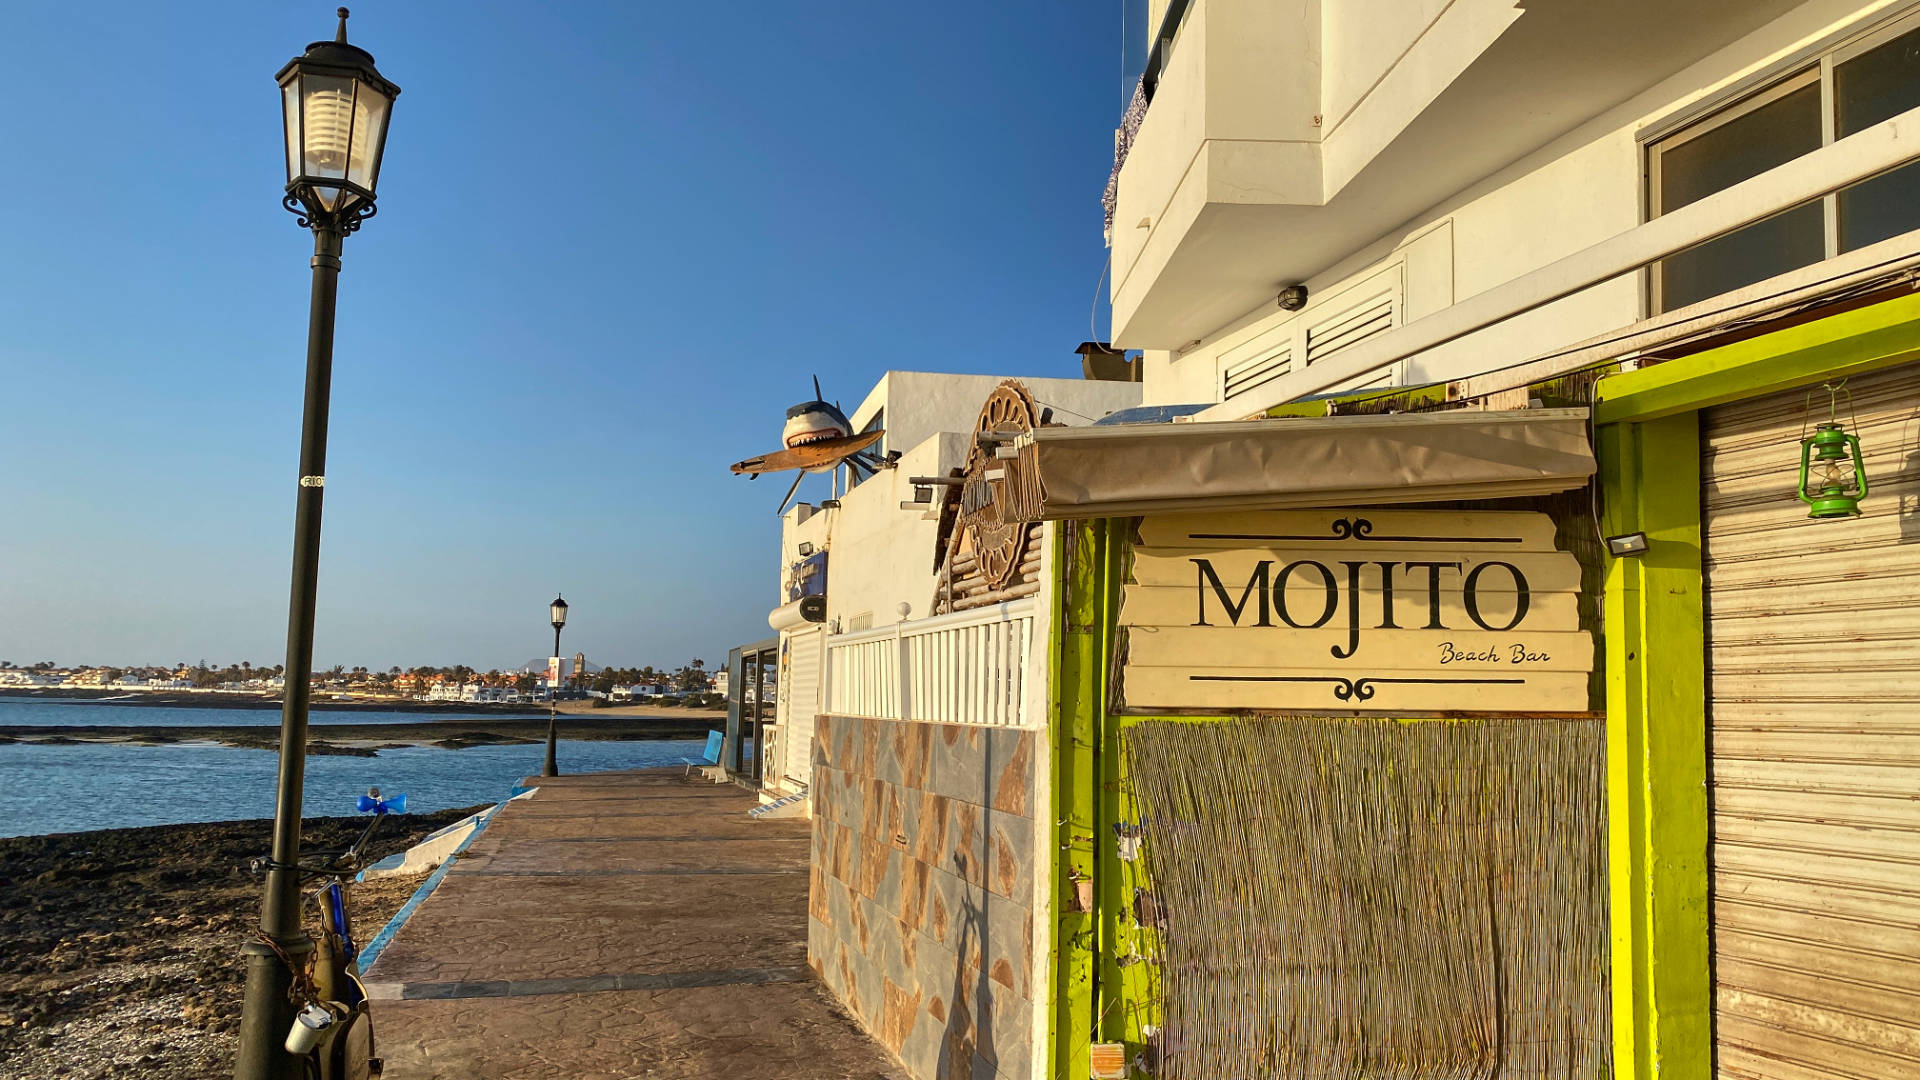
[998,545]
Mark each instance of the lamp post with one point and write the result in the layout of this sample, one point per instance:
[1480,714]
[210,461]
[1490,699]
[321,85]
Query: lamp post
[335,107]
[558,609]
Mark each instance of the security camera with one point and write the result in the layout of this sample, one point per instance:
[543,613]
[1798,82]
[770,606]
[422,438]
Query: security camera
[1293,298]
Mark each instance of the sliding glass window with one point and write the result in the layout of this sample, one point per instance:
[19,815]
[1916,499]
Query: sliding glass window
[1851,88]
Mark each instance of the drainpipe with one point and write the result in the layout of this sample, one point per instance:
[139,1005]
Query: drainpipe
[902,665]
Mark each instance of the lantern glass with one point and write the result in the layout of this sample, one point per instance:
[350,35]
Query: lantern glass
[370,108]
[341,123]
[335,107]
[559,611]
[290,111]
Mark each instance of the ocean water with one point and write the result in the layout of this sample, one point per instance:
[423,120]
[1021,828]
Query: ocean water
[20,709]
[66,788]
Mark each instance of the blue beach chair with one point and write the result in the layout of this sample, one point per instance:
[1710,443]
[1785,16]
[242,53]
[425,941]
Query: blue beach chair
[711,756]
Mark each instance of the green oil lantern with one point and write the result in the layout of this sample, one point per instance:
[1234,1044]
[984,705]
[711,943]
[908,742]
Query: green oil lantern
[1833,480]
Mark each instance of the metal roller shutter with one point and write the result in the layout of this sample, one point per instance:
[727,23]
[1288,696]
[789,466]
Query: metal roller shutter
[801,700]
[1813,642]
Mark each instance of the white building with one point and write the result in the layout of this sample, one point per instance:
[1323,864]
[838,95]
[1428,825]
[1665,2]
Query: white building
[891,563]
[627,693]
[1684,218]
[1402,157]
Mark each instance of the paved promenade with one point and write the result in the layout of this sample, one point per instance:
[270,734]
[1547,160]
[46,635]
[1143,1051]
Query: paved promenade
[617,925]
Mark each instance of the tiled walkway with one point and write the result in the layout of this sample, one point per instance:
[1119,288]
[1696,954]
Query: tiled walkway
[617,925]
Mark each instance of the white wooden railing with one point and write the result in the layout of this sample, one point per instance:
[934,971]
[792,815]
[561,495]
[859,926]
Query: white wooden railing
[969,667]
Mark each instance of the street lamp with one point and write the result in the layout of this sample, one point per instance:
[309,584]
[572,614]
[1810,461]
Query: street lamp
[558,609]
[335,119]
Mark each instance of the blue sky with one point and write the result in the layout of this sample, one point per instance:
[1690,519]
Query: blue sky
[614,242]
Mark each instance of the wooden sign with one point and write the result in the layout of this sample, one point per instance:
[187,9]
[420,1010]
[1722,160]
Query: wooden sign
[1317,610]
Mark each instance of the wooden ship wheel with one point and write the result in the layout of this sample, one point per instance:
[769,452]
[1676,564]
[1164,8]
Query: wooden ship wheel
[984,548]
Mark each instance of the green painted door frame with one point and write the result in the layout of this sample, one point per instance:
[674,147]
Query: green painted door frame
[1103,990]
[1656,752]
[1082,626]
[1648,450]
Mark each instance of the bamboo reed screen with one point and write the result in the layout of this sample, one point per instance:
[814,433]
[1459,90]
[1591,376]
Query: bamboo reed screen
[1341,899]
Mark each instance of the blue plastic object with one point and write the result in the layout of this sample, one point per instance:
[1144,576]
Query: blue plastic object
[711,756]
[367,804]
[336,901]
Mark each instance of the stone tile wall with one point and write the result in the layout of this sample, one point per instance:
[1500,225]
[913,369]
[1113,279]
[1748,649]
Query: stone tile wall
[921,916]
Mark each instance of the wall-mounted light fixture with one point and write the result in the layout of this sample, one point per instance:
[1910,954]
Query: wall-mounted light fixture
[806,548]
[1627,544]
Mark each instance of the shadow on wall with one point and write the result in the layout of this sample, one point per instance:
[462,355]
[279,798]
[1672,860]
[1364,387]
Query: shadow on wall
[968,1040]
[921,915]
[966,1033]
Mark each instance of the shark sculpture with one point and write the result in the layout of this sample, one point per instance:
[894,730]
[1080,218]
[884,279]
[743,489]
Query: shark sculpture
[818,438]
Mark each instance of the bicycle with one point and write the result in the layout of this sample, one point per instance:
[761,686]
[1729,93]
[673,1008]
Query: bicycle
[333,1030]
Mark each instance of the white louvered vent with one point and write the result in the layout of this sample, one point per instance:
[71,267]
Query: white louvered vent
[1241,377]
[1349,327]
[1356,311]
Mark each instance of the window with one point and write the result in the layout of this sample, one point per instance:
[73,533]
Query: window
[1876,85]
[1851,88]
[1768,129]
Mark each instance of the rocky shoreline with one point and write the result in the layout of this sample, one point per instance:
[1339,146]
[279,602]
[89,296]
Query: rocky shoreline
[119,948]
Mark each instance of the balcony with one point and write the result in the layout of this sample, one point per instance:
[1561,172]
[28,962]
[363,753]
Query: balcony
[1285,135]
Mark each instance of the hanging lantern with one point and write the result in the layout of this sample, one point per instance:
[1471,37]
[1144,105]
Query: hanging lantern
[1833,479]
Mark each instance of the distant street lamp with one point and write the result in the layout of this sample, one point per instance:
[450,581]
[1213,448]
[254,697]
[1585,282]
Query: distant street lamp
[558,609]
[335,107]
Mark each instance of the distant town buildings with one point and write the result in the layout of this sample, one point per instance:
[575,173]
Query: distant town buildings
[457,684]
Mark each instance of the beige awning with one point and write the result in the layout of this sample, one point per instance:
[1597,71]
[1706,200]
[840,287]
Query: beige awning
[1125,469]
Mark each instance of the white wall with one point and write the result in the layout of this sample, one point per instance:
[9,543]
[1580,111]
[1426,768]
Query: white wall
[880,555]
[1288,134]
[1572,192]
[1361,40]
[919,404]
[885,555]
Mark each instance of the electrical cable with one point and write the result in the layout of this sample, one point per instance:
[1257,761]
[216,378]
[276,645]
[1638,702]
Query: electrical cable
[1064,409]
[1093,309]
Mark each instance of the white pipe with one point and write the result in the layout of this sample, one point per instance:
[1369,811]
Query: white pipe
[1860,156]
